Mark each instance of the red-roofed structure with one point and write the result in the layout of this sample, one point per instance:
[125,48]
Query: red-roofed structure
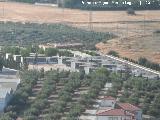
[132,109]
[114,112]
[118,114]
[128,107]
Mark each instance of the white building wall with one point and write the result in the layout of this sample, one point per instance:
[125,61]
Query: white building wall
[113,118]
[87,70]
[59,60]
[8,55]
[17,58]
[2,104]
[5,99]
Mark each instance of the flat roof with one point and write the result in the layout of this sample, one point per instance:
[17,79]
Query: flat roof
[8,85]
[9,79]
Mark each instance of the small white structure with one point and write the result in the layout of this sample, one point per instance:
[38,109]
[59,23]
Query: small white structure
[8,55]
[5,96]
[87,70]
[60,60]
[17,58]
[108,101]
[73,65]
[132,109]
[22,60]
[114,114]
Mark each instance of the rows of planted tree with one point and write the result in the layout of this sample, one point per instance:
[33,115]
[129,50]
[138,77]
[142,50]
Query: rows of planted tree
[66,95]
[138,91]
[57,109]
[54,99]
[95,82]
[27,105]
[51,79]
[32,33]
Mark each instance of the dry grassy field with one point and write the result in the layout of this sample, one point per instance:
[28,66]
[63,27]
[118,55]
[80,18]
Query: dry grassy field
[135,39]
[33,13]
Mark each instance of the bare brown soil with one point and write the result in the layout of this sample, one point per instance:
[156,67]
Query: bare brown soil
[135,39]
